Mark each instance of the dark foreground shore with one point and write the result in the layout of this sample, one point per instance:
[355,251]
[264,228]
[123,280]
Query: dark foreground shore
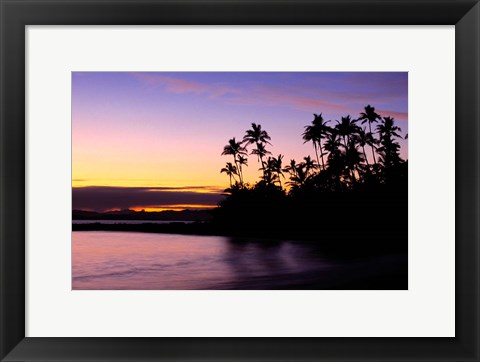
[387,273]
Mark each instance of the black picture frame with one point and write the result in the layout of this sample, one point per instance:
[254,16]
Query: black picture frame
[16,14]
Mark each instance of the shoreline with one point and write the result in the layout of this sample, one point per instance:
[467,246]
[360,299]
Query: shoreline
[334,242]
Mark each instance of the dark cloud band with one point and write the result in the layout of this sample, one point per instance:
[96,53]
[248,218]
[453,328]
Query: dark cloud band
[101,198]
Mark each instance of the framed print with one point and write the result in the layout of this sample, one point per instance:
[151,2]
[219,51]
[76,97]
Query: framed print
[261,180]
[254,218]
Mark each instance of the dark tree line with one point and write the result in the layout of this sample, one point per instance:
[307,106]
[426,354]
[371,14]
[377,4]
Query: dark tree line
[353,193]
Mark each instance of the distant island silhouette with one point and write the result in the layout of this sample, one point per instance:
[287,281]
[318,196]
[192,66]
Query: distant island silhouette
[127,214]
[353,194]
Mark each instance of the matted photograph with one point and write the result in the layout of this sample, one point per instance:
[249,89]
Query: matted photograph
[239,180]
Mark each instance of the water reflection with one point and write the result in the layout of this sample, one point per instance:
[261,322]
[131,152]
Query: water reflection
[121,260]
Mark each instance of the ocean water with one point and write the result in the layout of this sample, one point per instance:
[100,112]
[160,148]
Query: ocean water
[133,222]
[147,261]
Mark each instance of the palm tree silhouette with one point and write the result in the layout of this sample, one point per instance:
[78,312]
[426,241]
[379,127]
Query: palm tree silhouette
[291,168]
[387,128]
[333,144]
[363,139]
[235,149]
[277,167]
[370,116]
[315,133]
[309,164]
[389,149]
[353,159]
[260,138]
[269,174]
[261,152]
[241,160]
[231,170]
[335,159]
[347,128]
[299,176]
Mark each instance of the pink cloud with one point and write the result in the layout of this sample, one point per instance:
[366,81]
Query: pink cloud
[312,104]
[400,116]
[180,86]
[172,84]
[266,95]
[273,96]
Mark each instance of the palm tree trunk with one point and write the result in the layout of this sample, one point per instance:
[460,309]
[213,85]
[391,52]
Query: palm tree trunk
[316,152]
[321,153]
[240,173]
[365,155]
[240,176]
[238,168]
[261,161]
[373,151]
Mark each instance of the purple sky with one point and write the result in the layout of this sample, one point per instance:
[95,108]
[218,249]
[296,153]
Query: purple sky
[168,129]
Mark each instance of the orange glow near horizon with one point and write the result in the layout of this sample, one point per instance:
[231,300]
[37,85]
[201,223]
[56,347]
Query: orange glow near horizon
[200,190]
[179,207]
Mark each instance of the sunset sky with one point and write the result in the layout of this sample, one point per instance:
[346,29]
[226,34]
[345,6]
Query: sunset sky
[154,140]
